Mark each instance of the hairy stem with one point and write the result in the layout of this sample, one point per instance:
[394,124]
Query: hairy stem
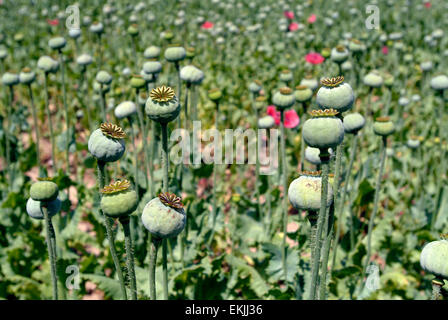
[285,193]
[155,243]
[129,256]
[51,251]
[50,124]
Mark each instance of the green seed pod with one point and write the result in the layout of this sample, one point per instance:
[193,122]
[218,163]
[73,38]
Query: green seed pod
[10,79]
[118,199]
[214,94]
[373,79]
[260,102]
[286,76]
[137,82]
[346,66]
[339,54]
[310,82]
[175,53]
[97,28]
[27,76]
[266,122]
[97,88]
[152,67]
[356,46]
[439,82]
[303,93]
[168,35]
[383,126]
[84,60]
[353,122]
[389,80]
[3,53]
[125,109]
[413,143]
[326,52]
[324,130]
[191,74]
[434,258]
[106,143]
[19,37]
[57,43]
[34,210]
[44,190]
[74,33]
[335,94]
[162,105]
[133,30]
[313,155]
[47,64]
[255,86]
[148,77]
[103,77]
[426,66]
[191,52]
[304,193]
[164,216]
[151,52]
[284,98]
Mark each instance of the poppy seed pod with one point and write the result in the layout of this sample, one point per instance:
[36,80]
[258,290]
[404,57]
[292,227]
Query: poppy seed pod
[168,35]
[356,46]
[10,79]
[286,76]
[164,216]
[162,105]
[191,74]
[434,258]
[97,28]
[44,190]
[27,76]
[303,93]
[255,86]
[137,82]
[353,122]
[191,52]
[74,33]
[133,30]
[106,143]
[260,102]
[175,53]
[34,210]
[413,143]
[439,82]
[118,199]
[284,98]
[323,130]
[310,82]
[426,66]
[84,59]
[304,193]
[151,52]
[3,53]
[125,109]
[388,80]
[383,126]
[214,94]
[373,79]
[57,43]
[103,77]
[152,67]
[312,155]
[339,54]
[266,122]
[148,77]
[335,94]
[47,64]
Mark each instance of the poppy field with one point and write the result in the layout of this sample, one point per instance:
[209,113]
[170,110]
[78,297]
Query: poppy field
[223,149]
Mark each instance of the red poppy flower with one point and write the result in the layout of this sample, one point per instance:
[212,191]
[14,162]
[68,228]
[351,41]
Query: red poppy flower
[293,26]
[290,121]
[207,25]
[289,14]
[312,18]
[428,4]
[385,50]
[53,22]
[314,58]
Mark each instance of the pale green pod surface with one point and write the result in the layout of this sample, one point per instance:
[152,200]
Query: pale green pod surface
[175,54]
[45,63]
[373,79]
[266,122]
[137,82]
[303,94]
[152,67]
[191,74]
[413,143]
[163,221]
[310,83]
[286,76]
[57,43]
[353,122]
[105,148]
[74,33]
[439,82]
[312,155]
[434,258]
[284,98]
[27,77]
[10,79]
[323,132]
[383,128]
[97,28]
[119,204]
[125,109]
[151,52]
[103,77]
[33,208]
[162,105]
[339,54]
[84,60]
[44,191]
[304,193]
[340,97]
[255,86]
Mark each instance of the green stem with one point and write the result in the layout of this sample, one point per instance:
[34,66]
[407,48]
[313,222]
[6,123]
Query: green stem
[214,208]
[436,289]
[285,193]
[103,103]
[152,267]
[165,269]
[36,128]
[135,155]
[51,251]
[144,138]
[110,237]
[7,141]
[67,119]
[312,218]
[165,165]
[129,256]
[375,203]
[50,124]
[326,252]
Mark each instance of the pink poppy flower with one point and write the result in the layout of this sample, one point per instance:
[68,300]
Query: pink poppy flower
[291,118]
[289,14]
[207,25]
[312,18]
[293,26]
[314,58]
[428,4]
[53,22]
[385,50]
